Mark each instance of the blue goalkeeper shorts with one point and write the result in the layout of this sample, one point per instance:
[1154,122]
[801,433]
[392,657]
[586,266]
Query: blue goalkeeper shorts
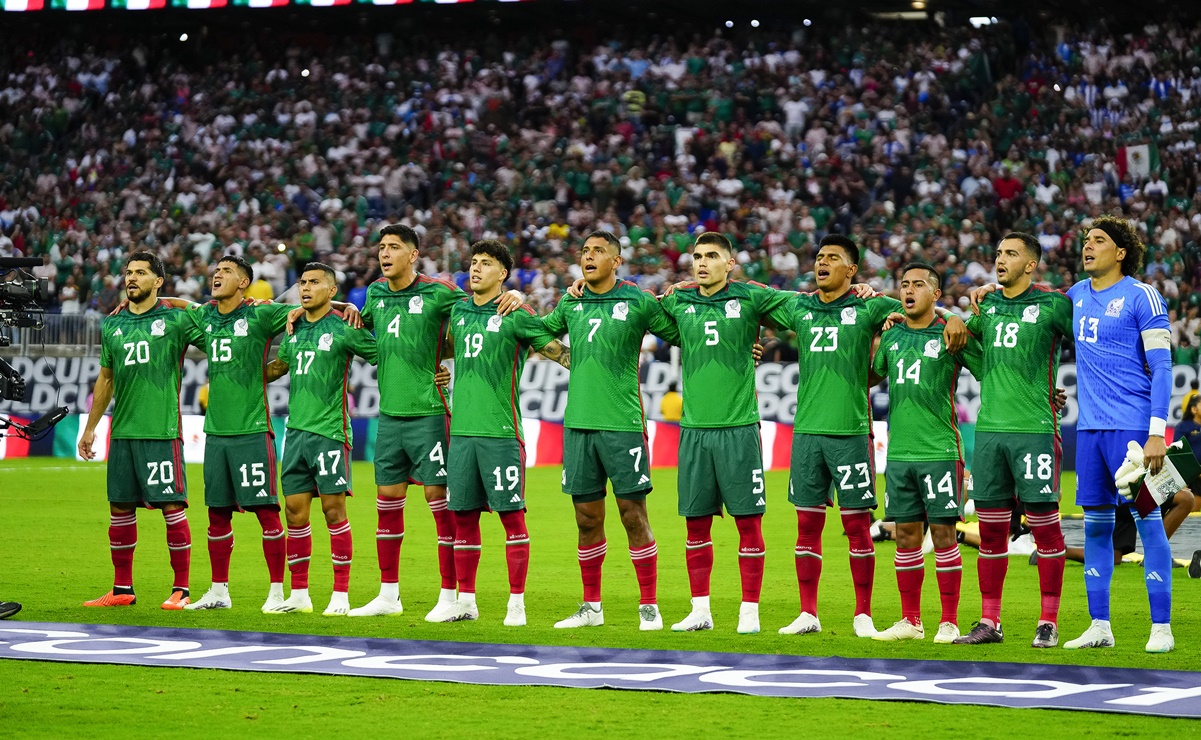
[1099,454]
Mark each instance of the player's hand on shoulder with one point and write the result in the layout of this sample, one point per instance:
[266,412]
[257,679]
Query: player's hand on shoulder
[350,315]
[955,334]
[442,377]
[864,291]
[977,294]
[892,320]
[294,316]
[672,288]
[577,289]
[509,301]
[119,307]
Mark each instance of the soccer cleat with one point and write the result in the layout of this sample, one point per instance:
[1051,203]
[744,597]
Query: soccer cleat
[515,616]
[947,633]
[380,606]
[806,624]
[339,605]
[902,630]
[443,611]
[1022,546]
[1098,635]
[1161,639]
[1034,558]
[462,612]
[294,604]
[878,532]
[211,600]
[272,604]
[1194,566]
[748,618]
[981,634]
[698,619]
[585,616]
[1046,636]
[177,601]
[864,626]
[927,543]
[112,599]
[649,618]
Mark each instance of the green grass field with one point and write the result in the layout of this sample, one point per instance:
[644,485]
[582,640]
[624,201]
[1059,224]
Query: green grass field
[54,548]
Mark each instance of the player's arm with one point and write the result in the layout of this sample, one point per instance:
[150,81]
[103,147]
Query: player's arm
[1154,328]
[558,352]
[660,322]
[955,333]
[276,369]
[530,329]
[509,301]
[878,372]
[362,343]
[555,321]
[350,313]
[102,395]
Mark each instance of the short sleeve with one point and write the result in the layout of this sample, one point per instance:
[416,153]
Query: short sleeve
[1062,315]
[275,316]
[362,343]
[554,321]
[972,356]
[447,298]
[880,307]
[366,312]
[880,359]
[660,323]
[530,329]
[769,300]
[106,355]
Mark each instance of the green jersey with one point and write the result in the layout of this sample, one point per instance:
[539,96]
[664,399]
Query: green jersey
[605,332]
[1020,339]
[834,341]
[716,334]
[490,352]
[237,344]
[318,356]
[922,377]
[145,352]
[410,329]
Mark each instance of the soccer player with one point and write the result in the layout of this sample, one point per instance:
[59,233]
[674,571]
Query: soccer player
[604,435]
[317,442]
[409,313]
[721,458]
[141,353]
[1122,330]
[831,443]
[924,479]
[486,464]
[1018,454]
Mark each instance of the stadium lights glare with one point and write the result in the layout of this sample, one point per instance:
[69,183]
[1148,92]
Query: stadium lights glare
[183,37]
[1057,87]
[729,24]
[282,247]
[754,24]
[304,73]
[808,22]
[919,4]
[981,20]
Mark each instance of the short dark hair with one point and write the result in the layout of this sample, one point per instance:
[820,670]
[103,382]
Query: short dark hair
[1029,241]
[406,234]
[838,240]
[496,250]
[716,238]
[243,265]
[321,266]
[156,264]
[609,237]
[927,267]
[1125,237]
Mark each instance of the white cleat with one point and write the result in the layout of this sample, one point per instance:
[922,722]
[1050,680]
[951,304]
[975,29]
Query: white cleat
[1098,635]
[748,618]
[649,618]
[515,616]
[294,604]
[698,619]
[460,612]
[211,600]
[585,616]
[443,611]
[380,606]
[864,626]
[903,630]
[947,633]
[1161,639]
[339,606]
[806,624]
[1022,546]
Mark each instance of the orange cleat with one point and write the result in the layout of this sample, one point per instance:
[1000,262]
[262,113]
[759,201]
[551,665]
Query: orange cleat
[112,599]
[177,601]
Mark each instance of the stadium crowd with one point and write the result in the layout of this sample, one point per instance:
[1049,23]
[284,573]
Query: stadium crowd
[921,142]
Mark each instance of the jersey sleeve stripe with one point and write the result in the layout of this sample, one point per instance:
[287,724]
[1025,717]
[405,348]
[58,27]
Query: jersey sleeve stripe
[1153,299]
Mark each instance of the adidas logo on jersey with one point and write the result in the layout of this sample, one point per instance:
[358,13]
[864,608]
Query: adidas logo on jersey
[441,472]
[578,307]
[950,505]
[894,348]
[1092,572]
[1080,303]
[261,494]
[991,310]
[809,317]
[690,309]
[117,333]
[168,491]
[341,482]
[460,323]
[760,502]
[1046,489]
[643,479]
[209,329]
[1153,576]
[380,304]
[516,499]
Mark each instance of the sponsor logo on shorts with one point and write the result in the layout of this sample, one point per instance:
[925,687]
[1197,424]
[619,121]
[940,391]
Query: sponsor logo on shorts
[341,482]
[516,499]
[643,479]
[1046,489]
[951,505]
[262,493]
[760,502]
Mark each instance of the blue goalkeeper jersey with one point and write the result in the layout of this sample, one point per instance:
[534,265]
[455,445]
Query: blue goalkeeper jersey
[1114,370]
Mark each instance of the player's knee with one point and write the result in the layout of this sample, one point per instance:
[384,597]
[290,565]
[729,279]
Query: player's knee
[435,493]
[334,514]
[395,491]
[589,518]
[1185,499]
[909,535]
[943,535]
[634,519]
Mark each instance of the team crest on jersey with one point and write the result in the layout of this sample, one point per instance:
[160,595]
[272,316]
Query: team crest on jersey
[932,348]
[493,323]
[326,342]
[849,315]
[621,310]
[416,303]
[241,328]
[733,309]
[158,328]
[1115,307]
[1030,314]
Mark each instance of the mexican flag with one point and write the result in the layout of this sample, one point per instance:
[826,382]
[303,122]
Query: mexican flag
[77,4]
[199,4]
[1139,160]
[21,5]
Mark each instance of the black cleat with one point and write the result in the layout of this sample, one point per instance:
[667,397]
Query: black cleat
[9,609]
[981,634]
[1034,558]
[1194,566]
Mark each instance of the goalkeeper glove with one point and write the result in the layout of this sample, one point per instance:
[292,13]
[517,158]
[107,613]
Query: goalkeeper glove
[1131,472]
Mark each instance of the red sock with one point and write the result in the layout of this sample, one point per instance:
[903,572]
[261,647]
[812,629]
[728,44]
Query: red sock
[221,542]
[274,545]
[1048,536]
[994,561]
[517,551]
[300,549]
[122,539]
[698,553]
[388,536]
[857,524]
[467,549]
[646,568]
[444,523]
[179,545]
[592,559]
[948,566]
[341,547]
[911,571]
[751,553]
[810,521]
